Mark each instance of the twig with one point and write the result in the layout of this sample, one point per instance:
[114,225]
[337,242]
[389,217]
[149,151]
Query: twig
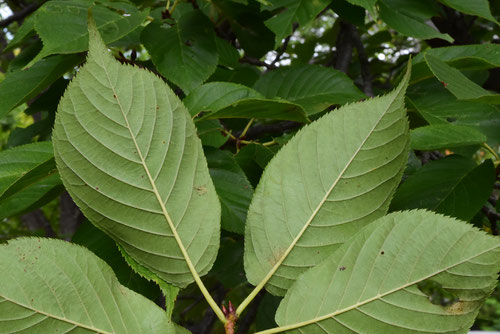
[255,61]
[245,322]
[20,15]
[285,45]
[363,61]
[343,47]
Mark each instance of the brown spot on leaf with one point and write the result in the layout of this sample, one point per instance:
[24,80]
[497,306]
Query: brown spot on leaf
[382,253]
[341,268]
[201,190]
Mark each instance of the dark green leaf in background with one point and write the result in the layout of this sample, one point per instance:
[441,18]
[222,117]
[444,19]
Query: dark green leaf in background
[438,106]
[454,186]
[185,53]
[20,86]
[313,87]
[290,12]
[479,8]
[458,84]
[409,17]
[434,137]
[463,57]
[62,25]
[234,190]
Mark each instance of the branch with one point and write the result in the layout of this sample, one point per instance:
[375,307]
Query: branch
[285,45]
[36,220]
[20,15]
[364,63]
[493,217]
[343,47]
[258,62]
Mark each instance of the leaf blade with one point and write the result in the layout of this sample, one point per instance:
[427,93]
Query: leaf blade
[371,276]
[114,168]
[66,286]
[288,183]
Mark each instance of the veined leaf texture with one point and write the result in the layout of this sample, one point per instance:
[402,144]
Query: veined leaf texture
[128,153]
[334,177]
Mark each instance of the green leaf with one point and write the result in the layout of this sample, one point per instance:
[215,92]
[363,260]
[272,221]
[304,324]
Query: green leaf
[184,53]
[368,286]
[333,177]
[479,8]
[210,133]
[62,25]
[233,188]
[453,186]
[463,57]
[290,12]
[21,86]
[127,152]
[434,137]
[32,197]
[25,31]
[438,106]
[52,286]
[458,84]
[215,96]
[228,55]
[407,22]
[313,87]
[104,247]
[24,165]
[247,23]
[229,100]
[369,5]
[253,159]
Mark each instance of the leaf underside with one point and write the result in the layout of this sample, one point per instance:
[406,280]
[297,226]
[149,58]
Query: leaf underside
[51,286]
[333,177]
[371,284]
[127,152]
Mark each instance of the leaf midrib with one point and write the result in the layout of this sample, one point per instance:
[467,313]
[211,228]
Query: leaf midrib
[320,205]
[369,300]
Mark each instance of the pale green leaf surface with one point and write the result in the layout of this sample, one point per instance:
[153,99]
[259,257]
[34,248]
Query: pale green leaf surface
[127,152]
[463,57]
[20,86]
[458,84]
[479,8]
[333,177]
[51,286]
[438,106]
[313,87]
[370,284]
[234,190]
[184,53]
[406,24]
[455,186]
[434,137]
[295,11]
[62,25]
